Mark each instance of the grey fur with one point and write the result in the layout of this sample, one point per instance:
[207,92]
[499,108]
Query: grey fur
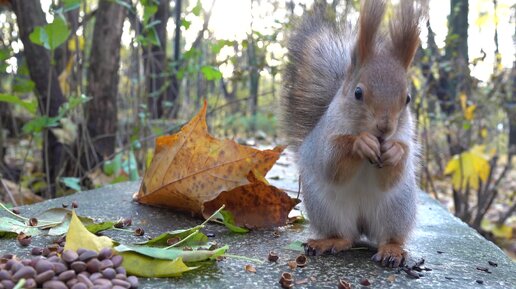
[319,53]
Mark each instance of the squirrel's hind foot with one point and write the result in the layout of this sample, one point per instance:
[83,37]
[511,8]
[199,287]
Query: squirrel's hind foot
[390,255]
[331,245]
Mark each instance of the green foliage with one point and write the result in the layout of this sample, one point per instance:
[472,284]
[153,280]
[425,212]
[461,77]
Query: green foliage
[228,220]
[51,35]
[211,72]
[30,106]
[72,183]
[69,5]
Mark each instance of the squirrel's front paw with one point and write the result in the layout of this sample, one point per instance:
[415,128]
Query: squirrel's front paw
[392,153]
[367,147]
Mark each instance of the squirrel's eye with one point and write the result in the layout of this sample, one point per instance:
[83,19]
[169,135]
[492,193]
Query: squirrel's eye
[408,99]
[358,93]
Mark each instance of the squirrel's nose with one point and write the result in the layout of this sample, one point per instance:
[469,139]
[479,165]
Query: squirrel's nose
[382,128]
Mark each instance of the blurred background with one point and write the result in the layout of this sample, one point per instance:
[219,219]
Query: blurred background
[86,86]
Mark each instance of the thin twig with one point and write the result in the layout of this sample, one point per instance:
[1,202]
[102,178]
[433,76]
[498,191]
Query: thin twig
[8,193]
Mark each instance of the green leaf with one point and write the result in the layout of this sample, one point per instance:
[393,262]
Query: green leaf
[296,246]
[98,227]
[37,124]
[161,241]
[130,167]
[174,253]
[148,11]
[216,47]
[30,106]
[185,23]
[69,5]
[51,35]
[9,225]
[53,215]
[72,183]
[197,9]
[123,3]
[23,85]
[113,167]
[211,72]
[143,266]
[90,225]
[227,218]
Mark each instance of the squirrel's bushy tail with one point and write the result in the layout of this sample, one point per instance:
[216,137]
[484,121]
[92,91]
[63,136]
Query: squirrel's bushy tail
[319,52]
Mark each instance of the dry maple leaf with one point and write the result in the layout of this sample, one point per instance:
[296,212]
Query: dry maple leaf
[191,168]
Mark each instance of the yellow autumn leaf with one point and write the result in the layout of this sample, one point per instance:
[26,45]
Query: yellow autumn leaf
[79,237]
[63,77]
[484,133]
[469,112]
[72,43]
[468,168]
[499,231]
[463,100]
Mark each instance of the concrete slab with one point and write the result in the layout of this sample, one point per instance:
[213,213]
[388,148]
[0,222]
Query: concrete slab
[450,248]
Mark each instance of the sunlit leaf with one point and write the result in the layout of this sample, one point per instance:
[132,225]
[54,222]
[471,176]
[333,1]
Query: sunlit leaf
[197,9]
[79,237]
[468,168]
[211,72]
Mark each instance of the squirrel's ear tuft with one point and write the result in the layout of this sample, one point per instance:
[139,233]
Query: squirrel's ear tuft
[371,15]
[404,30]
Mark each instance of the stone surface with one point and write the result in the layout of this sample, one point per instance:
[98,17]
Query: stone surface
[463,250]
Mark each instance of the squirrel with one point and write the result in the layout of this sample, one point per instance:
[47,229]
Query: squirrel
[346,114]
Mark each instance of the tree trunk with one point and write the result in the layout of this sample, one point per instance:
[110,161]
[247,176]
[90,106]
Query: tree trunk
[455,79]
[174,83]
[103,77]
[29,15]
[254,81]
[157,63]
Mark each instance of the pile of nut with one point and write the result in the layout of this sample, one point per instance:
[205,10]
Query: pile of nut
[77,270]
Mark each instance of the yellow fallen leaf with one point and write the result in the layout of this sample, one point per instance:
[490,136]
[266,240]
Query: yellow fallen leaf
[468,168]
[143,266]
[79,237]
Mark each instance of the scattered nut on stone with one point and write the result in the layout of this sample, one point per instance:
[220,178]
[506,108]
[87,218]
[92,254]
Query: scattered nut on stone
[75,204]
[250,268]
[273,257]
[344,284]
[301,261]
[286,280]
[33,222]
[139,232]
[365,282]
[292,264]
[24,240]
[65,271]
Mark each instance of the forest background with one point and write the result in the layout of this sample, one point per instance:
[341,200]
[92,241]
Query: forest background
[86,86]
